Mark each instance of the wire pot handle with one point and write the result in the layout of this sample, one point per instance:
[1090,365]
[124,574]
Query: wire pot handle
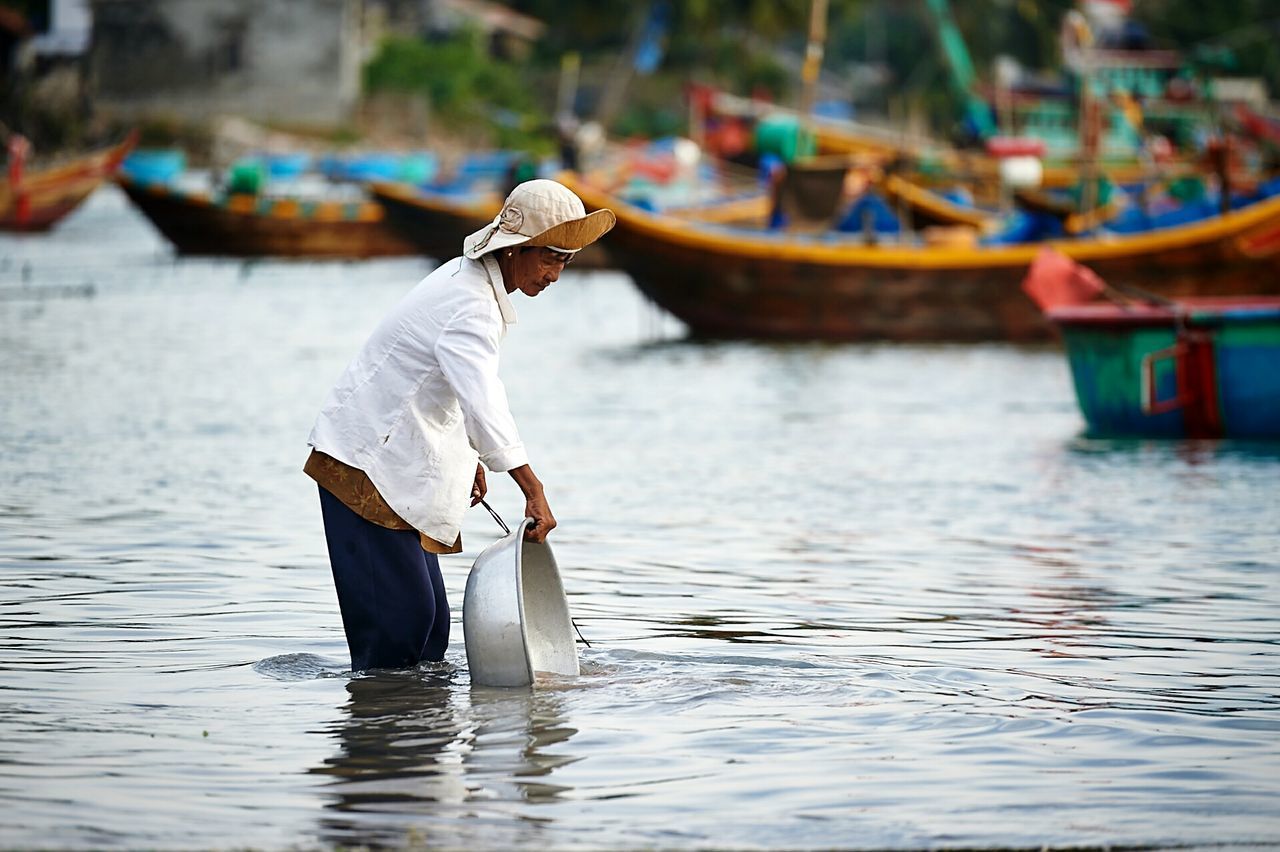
[505,529]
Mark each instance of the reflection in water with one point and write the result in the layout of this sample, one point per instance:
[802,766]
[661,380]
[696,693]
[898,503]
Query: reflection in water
[1189,451]
[511,739]
[398,753]
[416,743]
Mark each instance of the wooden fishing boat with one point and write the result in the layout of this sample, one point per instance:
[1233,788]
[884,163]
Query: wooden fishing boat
[725,282]
[1196,368]
[244,225]
[436,223]
[37,200]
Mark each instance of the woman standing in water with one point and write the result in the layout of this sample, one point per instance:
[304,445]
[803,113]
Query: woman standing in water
[404,438]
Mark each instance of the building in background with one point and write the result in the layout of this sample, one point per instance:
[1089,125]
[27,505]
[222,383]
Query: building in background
[293,63]
[67,36]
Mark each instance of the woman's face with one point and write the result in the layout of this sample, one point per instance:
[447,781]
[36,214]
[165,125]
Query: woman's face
[532,269]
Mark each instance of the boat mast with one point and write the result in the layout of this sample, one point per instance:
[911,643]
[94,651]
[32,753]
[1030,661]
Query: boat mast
[813,56]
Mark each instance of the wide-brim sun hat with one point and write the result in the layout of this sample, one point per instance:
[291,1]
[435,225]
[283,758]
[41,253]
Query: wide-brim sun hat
[540,213]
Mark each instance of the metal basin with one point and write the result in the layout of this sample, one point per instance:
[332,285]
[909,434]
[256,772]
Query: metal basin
[515,617]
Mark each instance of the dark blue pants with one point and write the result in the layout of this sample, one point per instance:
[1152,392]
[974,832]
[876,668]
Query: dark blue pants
[390,591]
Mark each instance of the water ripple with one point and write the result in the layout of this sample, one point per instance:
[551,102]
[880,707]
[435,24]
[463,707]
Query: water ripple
[830,603]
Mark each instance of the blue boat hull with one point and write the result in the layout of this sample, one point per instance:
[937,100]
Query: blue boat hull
[1208,370]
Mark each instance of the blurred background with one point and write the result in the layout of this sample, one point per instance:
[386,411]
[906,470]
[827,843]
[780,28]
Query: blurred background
[453,73]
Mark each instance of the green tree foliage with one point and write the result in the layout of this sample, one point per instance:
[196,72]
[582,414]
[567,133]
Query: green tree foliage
[456,74]
[1249,29]
[461,82]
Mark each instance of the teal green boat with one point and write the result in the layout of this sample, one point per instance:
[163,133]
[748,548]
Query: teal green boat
[1194,368]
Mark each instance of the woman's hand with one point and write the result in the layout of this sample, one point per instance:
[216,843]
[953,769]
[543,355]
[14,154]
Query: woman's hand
[479,488]
[535,503]
[543,521]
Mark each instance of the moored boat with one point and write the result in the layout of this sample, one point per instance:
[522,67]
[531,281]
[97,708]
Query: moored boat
[36,200]
[245,225]
[726,282]
[435,222]
[1197,368]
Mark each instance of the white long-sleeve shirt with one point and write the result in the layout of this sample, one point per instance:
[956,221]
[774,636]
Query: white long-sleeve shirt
[422,399]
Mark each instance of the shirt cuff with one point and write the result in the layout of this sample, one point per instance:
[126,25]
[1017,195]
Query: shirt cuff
[502,460]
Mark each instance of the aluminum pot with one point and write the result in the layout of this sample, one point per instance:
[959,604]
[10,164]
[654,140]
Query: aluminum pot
[515,617]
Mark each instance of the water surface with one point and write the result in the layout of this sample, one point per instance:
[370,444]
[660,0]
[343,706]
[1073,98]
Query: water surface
[875,596]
